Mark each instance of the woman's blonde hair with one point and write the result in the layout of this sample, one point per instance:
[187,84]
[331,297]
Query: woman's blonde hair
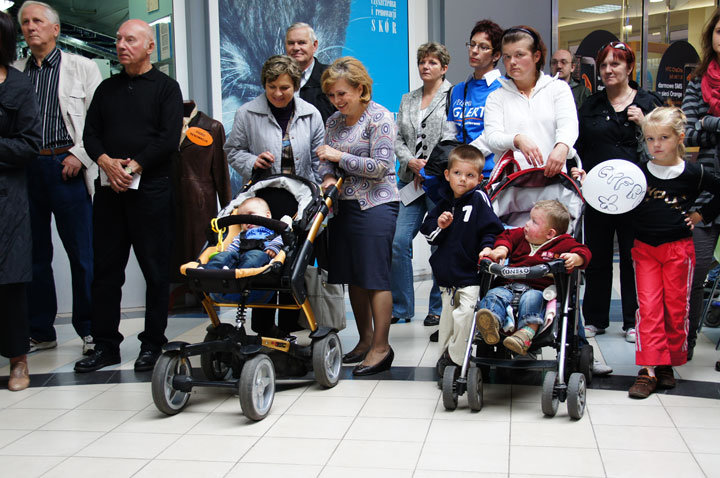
[351,70]
[667,117]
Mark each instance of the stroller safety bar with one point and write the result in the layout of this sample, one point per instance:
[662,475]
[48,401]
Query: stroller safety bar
[555,266]
[274,224]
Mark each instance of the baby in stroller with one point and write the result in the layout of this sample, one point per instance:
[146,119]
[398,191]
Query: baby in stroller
[255,246]
[538,242]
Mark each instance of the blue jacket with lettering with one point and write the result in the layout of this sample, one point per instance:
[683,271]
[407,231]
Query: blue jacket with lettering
[474,227]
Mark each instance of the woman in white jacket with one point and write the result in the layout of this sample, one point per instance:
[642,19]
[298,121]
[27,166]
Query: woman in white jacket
[532,114]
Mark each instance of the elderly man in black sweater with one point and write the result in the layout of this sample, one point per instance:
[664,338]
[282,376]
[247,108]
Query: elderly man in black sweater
[132,128]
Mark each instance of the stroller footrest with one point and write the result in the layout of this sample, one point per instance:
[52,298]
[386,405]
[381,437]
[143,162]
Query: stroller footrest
[516,364]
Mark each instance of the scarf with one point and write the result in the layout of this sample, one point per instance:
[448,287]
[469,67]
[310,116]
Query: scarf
[710,86]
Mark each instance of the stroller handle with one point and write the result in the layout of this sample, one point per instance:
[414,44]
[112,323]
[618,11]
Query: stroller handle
[534,272]
[274,224]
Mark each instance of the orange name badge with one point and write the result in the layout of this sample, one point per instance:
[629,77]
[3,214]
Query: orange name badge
[199,136]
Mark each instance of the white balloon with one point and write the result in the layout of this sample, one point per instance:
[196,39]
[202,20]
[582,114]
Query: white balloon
[615,186]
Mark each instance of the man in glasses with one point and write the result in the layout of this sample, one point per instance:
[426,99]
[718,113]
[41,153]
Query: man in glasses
[467,102]
[561,64]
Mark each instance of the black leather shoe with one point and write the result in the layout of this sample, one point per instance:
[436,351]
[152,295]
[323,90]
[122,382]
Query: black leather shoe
[354,357]
[431,320]
[435,336]
[100,358]
[395,320]
[381,366]
[146,360]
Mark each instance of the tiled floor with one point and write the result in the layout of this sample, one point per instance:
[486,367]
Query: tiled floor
[393,425]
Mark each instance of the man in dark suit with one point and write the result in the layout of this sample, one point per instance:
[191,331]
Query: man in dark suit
[301,43]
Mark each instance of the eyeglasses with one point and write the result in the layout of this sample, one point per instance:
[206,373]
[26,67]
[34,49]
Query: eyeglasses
[481,46]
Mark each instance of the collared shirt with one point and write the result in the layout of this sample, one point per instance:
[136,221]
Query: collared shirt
[306,74]
[46,78]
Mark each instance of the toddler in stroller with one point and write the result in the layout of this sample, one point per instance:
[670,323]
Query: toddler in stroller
[539,241]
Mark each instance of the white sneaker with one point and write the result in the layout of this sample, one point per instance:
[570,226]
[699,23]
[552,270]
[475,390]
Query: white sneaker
[35,345]
[630,335]
[88,344]
[592,331]
[600,368]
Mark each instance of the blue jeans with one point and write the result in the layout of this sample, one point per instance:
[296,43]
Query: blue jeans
[238,260]
[71,205]
[531,309]
[409,220]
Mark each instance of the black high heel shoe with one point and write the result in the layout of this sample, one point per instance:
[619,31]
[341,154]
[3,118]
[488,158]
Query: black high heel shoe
[395,320]
[354,357]
[381,366]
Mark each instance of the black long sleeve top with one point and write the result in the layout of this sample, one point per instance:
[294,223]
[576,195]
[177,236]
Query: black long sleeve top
[137,117]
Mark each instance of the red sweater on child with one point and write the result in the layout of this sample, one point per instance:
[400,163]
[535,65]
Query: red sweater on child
[520,253]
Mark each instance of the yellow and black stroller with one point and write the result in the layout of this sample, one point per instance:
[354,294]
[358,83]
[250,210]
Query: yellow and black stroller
[229,356]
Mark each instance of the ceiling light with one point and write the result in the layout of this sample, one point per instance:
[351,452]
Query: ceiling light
[600,9]
[656,1]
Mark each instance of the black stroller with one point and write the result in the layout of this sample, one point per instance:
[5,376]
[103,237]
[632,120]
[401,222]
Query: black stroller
[229,357]
[566,377]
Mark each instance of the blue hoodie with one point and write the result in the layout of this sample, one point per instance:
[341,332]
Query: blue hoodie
[474,227]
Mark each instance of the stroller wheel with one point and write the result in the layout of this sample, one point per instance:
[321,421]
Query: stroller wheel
[549,401]
[713,317]
[212,363]
[257,387]
[449,391]
[167,399]
[327,360]
[576,396]
[475,389]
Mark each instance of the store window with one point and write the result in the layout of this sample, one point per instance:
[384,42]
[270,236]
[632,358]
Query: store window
[673,38]
[88,28]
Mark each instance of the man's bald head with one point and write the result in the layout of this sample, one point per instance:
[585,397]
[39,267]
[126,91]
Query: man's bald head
[134,43]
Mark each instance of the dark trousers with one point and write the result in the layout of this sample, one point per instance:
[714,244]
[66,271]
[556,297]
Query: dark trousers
[14,328]
[704,239]
[600,231]
[142,219]
[71,205]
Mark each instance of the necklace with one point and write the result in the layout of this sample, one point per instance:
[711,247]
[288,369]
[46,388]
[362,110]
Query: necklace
[624,100]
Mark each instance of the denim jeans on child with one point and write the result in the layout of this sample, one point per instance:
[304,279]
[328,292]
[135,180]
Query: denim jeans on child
[531,309]
[408,224]
[238,260]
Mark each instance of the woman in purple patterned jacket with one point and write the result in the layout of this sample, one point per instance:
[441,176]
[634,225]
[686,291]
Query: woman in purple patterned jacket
[359,145]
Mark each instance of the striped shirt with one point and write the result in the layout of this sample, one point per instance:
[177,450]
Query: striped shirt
[696,108]
[46,78]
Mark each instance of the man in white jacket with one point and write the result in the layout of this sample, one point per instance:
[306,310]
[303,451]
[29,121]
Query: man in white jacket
[61,180]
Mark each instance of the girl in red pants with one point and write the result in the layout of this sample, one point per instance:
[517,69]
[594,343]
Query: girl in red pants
[663,252]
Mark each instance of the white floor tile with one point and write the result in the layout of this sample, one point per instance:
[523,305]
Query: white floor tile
[556,432]
[347,472]
[456,474]
[683,401]
[89,420]
[26,418]
[381,454]
[117,399]
[232,424]
[318,405]
[398,389]
[23,468]
[631,464]
[344,388]
[9,436]
[464,457]
[129,445]
[491,411]
[53,399]
[83,467]
[555,461]
[208,448]
[8,398]
[184,469]
[629,415]
[297,426]
[701,440]
[50,443]
[624,437]
[700,417]
[710,464]
[154,421]
[470,431]
[274,470]
[398,408]
[615,397]
[301,451]
[388,429]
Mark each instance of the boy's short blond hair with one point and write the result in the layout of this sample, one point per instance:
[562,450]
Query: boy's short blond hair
[558,216]
[466,152]
[260,202]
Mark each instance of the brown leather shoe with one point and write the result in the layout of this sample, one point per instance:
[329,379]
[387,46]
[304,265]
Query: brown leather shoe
[644,385]
[665,376]
[19,377]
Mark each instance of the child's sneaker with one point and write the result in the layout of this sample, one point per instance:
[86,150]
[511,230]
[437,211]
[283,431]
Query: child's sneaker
[644,385]
[665,376]
[519,342]
[488,325]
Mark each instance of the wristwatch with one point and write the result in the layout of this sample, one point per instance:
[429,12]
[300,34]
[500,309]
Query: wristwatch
[129,170]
